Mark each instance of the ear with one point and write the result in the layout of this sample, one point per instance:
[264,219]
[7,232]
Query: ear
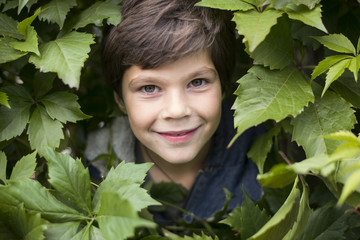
[120,102]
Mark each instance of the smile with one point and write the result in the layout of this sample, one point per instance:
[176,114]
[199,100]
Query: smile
[178,136]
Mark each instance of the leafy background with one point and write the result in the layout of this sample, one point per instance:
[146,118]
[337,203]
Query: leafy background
[297,73]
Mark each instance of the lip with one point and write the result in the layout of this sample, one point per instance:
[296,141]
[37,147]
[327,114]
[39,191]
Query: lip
[178,136]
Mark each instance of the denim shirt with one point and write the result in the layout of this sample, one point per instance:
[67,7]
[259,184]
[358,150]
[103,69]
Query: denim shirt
[225,167]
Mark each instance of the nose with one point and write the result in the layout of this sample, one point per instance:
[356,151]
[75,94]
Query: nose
[176,105]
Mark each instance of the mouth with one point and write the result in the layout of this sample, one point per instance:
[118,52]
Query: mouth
[178,136]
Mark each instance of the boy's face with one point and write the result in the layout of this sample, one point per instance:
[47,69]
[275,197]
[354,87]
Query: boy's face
[174,109]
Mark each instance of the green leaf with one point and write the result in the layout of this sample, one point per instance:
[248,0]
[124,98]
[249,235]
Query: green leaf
[312,165]
[30,44]
[95,233]
[282,3]
[70,178]
[61,231]
[37,199]
[42,83]
[132,192]
[351,184]
[255,26]
[56,11]
[25,225]
[326,223]
[169,192]
[262,93]
[335,72]
[278,226]
[4,100]
[3,165]
[13,121]
[279,176]
[97,12]
[84,233]
[358,47]
[355,66]
[328,114]
[337,42]
[226,4]
[130,171]
[44,131]
[276,51]
[348,89]
[326,64]
[24,168]
[302,218]
[8,27]
[63,106]
[117,218]
[8,53]
[311,17]
[22,4]
[261,147]
[124,173]
[247,219]
[65,56]
[347,136]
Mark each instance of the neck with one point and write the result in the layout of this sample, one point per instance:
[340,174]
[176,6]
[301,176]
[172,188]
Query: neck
[183,173]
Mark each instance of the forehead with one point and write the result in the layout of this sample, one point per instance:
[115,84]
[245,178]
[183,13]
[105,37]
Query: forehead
[185,67]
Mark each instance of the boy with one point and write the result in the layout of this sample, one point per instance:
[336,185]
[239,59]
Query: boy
[169,63]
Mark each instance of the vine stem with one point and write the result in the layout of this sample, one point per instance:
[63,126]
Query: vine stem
[204,223]
[286,159]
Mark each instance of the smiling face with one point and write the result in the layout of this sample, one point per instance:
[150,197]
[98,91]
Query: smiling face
[174,109]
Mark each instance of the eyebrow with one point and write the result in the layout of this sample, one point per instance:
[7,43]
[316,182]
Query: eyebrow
[150,79]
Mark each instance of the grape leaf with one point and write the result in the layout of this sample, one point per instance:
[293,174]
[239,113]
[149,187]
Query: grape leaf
[279,176]
[278,226]
[4,100]
[65,56]
[13,121]
[255,26]
[8,53]
[247,219]
[348,89]
[117,218]
[24,168]
[328,114]
[337,42]
[302,218]
[97,12]
[282,3]
[263,94]
[261,147]
[44,131]
[276,51]
[24,225]
[56,11]
[351,184]
[226,4]
[8,27]
[130,171]
[326,63]
[63,106]
[335,72]
[36,199]
[3,165]
[70,178]
[326,223]
[355,66]
[310,165]
[132,192]
[61,231]
[30,44]
[311,17]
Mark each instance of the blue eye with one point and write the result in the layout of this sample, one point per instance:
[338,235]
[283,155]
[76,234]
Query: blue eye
[197,82]
[149,88]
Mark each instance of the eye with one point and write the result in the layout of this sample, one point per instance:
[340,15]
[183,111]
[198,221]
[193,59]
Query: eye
[149,89]
[197,82]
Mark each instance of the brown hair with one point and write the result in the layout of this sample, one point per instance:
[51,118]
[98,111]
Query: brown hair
[155,32]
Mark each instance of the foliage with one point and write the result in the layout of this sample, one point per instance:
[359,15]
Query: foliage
[300,70]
